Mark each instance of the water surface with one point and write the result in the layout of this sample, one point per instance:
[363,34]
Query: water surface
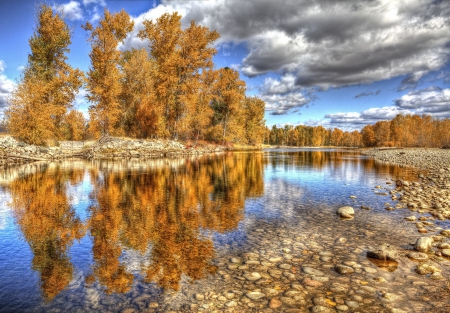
[148,234]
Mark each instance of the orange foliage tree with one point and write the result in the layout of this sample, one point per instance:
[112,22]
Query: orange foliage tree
[48,84]
[103,78]
[180,57]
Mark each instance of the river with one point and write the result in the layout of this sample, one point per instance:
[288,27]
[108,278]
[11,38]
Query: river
[233,232]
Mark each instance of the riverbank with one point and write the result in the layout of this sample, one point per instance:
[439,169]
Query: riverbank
[107,147]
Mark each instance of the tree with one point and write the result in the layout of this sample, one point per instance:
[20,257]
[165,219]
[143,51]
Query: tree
[103,81]
[141,114]
[75,125]
[254,120]
[180,57]
[229,94]
[48,85]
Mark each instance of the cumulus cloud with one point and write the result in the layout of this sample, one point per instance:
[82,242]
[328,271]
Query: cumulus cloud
[326,43]
[6,86]
[71,11]
[432,100]
[282,96]
[356,120]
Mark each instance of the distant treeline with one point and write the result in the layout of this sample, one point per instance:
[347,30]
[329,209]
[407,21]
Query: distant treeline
[402,131]
[168,90]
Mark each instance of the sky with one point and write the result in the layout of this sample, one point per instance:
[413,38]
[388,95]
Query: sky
[344,64]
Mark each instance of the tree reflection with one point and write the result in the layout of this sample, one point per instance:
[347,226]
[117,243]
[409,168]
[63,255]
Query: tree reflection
[48,223]
[171,211]
[168,213]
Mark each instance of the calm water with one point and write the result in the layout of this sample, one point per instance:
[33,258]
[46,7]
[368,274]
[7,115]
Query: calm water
[96,236]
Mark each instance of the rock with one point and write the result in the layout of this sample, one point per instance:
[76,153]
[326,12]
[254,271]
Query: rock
[343,269]
[312,271]
[410,218]
[255,295]
[418,256]
[252,276]
[321,309]
[311,283]
[275,303]
[346,212]
[342,308]
[231,304]
[446,253]
[199,297]
[384,252]
[445,232]
[423,244]
[425,268]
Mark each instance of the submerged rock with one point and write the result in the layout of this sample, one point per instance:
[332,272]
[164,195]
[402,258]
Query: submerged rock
[383,252]
[346,212]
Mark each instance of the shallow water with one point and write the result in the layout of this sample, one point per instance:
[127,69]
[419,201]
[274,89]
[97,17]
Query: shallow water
[147,235]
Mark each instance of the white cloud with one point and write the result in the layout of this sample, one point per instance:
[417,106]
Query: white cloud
[6,86]
[71,11]
[432,100]
[357,120]
[326,43]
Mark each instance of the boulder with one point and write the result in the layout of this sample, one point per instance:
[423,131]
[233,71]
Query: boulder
[383,252]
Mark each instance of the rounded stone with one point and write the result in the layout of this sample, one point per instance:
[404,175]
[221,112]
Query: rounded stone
[446,253]
[418,256]
[343,269]
[275,303]
[255,295]
[253,276]
[423,244]
[346,212]
[445,232]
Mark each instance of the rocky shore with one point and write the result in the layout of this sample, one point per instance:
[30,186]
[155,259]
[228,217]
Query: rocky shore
[16,152]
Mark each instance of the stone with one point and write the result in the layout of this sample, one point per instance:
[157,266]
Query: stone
[343,269]
[270,292]
[199,297]
[255,295]
[311,283]
[274,303]
[312,271]
[446,253]
[346,212]
[383,252]
[418,256]
[253,276]
[410,218]
[423,244]
[231,304]
[342,308]
[425,268]
[321,309]
[445,232]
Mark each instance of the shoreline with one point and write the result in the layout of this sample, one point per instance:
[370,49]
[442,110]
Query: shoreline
[13,152]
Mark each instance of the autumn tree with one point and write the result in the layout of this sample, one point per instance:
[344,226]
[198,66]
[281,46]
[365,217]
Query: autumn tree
[180,56]
[229,94]
[254,120]
[74,125]
[103,80]
[141,114]
[48,84]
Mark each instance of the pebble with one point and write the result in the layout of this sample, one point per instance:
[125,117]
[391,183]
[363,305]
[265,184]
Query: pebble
[343,269]
[418,256]
[275,303]
[255,295]
[346,212]
[253,276]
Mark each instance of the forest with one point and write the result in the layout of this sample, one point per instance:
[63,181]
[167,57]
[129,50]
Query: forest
[170,90]
[402,131]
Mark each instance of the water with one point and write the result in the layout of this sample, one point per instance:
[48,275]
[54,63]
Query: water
[146,235]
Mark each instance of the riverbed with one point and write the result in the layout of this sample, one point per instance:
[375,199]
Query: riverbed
[235,232]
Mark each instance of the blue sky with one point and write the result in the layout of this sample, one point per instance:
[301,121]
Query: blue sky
[333,63]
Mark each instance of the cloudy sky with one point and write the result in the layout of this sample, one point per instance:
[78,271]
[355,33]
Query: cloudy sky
[340,63]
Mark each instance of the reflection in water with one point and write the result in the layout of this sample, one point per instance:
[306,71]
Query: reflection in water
[166,212]
[49,225]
